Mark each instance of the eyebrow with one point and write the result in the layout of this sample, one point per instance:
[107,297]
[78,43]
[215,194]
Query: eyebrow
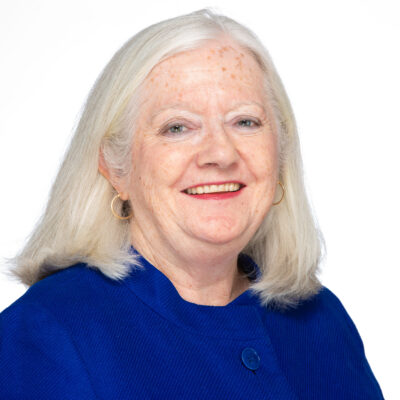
[185,106]
[174,106]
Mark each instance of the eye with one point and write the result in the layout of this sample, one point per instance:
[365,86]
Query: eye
[173,129]
[177,128]
[248,123]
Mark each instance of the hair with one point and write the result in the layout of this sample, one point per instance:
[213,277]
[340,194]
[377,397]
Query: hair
[77,225]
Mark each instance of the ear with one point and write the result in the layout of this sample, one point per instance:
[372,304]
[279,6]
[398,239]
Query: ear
[111,177]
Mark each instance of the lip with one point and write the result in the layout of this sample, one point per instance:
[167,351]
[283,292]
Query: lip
[217,195]
[214,183]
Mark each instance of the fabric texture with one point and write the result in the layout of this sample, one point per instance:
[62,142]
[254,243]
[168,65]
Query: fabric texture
[80,335]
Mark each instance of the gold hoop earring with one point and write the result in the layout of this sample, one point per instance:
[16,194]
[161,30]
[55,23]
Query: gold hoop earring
[283,193]
[118,196]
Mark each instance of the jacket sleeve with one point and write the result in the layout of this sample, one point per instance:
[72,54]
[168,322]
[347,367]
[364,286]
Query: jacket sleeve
[342,315]
[38,359]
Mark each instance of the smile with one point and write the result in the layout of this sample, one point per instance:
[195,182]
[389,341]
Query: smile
[221,188]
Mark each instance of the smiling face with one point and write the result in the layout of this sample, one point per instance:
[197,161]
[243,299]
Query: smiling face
[204,126]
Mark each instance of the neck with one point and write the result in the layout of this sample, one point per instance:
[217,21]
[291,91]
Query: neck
[206,277]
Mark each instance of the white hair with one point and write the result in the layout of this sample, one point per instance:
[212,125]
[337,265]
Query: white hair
[78,226]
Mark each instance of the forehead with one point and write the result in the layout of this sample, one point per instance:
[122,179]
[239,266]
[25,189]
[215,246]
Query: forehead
[222,68]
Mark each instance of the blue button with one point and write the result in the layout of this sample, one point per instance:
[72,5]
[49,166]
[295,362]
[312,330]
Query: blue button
[250,358]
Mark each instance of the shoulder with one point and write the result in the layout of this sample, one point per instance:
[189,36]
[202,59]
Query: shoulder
[56,299]
[69,299]
[324,303]
[317,342]
[330,307]
[322,317]
[35,346]
[339,315]
[64,288]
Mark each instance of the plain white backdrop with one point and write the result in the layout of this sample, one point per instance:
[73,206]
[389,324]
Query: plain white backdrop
[340,64]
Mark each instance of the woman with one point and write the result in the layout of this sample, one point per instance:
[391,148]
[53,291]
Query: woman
[200,282]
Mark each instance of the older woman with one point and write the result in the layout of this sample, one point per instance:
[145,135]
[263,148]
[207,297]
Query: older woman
[200,282]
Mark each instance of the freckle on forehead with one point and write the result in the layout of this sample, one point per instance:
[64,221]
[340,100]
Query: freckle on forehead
[176,76]
[239,64]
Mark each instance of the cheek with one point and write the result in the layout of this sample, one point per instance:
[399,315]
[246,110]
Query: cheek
[262,158]
[160,165]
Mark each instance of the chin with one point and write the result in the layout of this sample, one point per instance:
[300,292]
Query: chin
[219,231]
[219,237]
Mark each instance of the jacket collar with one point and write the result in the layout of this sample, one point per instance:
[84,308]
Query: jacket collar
[239,319]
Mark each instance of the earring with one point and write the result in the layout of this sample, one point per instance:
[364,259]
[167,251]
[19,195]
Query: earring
[283,193]
[113,211]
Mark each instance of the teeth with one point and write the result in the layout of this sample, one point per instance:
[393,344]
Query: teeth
[227,187]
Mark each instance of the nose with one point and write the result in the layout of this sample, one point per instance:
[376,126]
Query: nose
[217,149]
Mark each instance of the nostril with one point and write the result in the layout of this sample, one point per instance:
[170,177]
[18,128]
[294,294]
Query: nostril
[221,158]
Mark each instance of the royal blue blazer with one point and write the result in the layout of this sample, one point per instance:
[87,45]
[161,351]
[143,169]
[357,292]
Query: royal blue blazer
[80,335]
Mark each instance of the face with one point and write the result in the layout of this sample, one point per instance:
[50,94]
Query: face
[204,156]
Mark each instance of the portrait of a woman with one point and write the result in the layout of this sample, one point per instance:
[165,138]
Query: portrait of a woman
[178,257]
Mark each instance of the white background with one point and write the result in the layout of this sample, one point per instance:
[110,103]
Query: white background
[339,61]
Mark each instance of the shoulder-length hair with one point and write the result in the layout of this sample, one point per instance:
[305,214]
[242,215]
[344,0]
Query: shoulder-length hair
[78,226]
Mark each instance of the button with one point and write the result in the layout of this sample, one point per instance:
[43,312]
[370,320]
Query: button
[250,358]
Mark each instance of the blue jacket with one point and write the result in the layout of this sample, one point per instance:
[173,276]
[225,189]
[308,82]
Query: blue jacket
[80,335]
